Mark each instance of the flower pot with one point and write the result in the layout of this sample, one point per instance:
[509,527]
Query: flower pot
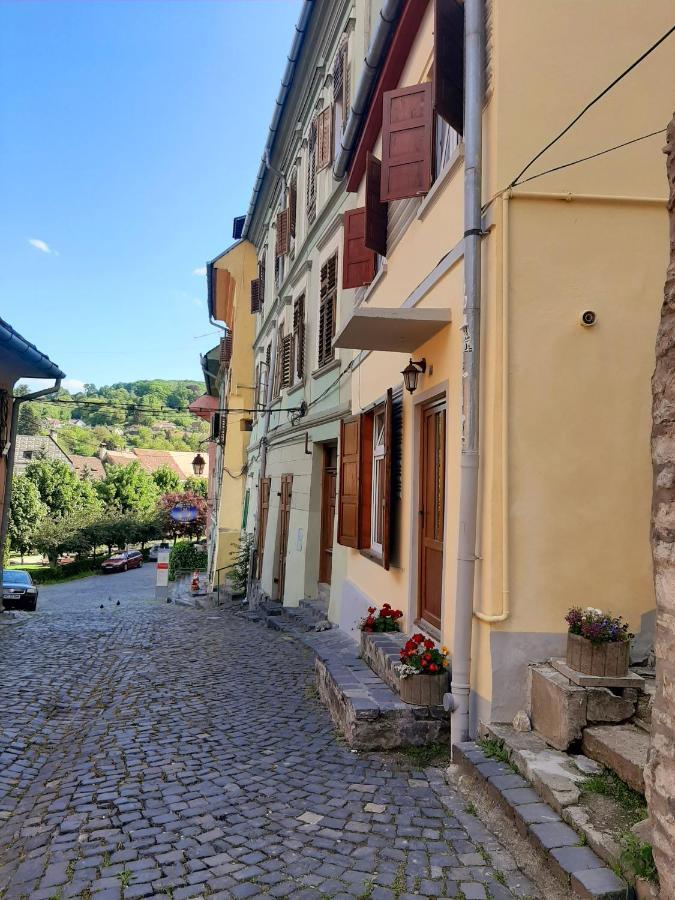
[424,690]
[610,659]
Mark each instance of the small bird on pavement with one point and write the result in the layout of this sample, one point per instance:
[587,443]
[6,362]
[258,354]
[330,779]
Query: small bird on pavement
[101,606]
[118,603]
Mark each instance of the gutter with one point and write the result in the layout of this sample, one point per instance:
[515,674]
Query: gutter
[459,699]
[12,342]
[286,82]
[372,65]
[11,449]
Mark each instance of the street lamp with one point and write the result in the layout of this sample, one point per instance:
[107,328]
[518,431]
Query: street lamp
[198,464]
[412,372]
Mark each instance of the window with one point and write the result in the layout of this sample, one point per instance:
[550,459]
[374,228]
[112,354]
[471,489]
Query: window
[370,478]
[261,277]
[292,207]
[311,174]
[27,454]
[324,146]
[327,310]
[299,336]
[341,85]
[278,363]
[447,141]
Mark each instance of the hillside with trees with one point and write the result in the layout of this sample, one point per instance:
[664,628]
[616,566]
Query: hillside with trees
[150,414]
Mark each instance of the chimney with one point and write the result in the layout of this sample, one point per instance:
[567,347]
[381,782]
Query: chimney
[102,452]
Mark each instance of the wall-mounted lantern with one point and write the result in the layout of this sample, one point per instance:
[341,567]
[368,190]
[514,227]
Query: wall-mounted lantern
[198,464]
[412,372]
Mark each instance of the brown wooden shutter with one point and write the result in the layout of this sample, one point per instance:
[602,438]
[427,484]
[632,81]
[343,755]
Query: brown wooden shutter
[377,212]
[278,364]
[261,279]
[287,361]
[358,262]
[255,295]
[338,76]
[349,495]
[324,123]
[449,62]
[327,302]
[407,142]
[226,349]
[283,235]
[263,509]
[299,335]
[387,489]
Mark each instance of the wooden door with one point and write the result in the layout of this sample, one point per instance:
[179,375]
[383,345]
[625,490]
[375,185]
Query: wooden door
[262,522]
[328,492]
[432,512]
[282,543]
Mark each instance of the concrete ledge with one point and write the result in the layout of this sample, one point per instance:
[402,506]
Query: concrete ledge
[577,866]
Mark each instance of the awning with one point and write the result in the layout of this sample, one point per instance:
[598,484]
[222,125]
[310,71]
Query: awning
[204,406]
[396,330]
[21,359]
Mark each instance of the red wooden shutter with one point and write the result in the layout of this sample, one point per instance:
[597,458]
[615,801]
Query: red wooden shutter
[349,496]
[255,295]
[387,487]
[324,154]
[407,142]
[449,62]
[283,236]
[226,349]
[377,212]
[358,262]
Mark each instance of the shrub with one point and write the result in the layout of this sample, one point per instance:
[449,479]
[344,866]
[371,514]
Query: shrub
[238,570]
[385,620]
[61,573]
[184,556]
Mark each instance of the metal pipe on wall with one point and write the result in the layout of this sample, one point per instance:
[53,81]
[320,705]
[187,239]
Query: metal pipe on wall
[468,488]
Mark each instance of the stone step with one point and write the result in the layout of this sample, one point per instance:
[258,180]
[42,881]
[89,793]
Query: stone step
[578,867]
[324,593]
[317,607]
[621,748]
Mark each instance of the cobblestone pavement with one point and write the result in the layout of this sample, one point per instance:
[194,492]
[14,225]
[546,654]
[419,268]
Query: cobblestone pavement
[150,750]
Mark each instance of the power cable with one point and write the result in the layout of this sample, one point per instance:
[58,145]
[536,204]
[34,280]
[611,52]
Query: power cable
[592,103]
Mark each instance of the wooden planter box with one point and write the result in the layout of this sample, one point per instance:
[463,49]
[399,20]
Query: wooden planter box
[424,690]
[597,659]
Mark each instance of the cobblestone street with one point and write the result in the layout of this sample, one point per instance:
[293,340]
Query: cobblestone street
[148,749]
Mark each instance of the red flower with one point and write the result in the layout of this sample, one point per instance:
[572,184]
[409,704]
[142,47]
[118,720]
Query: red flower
[423,662]
[429,644]
[386,606]
[418,638]
[427,656]
[398,614]
[433,668]
[372,609]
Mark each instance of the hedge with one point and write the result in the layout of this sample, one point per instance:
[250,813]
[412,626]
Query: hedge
[184,556]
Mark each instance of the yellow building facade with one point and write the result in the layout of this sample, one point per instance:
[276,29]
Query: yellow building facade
[564,460]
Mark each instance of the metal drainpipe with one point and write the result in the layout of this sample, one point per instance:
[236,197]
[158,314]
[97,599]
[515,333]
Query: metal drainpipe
[468,489]
[16,405]
[263,449]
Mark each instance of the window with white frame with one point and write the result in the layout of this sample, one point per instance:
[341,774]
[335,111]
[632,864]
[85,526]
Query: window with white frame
[377,502]
[447,141]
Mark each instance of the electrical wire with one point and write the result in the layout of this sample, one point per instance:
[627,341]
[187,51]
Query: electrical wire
[163,410]
[592,103]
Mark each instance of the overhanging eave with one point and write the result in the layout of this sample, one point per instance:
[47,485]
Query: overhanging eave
[395,330]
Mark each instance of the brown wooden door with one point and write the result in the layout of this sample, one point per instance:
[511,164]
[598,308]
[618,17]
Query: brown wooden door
[262,522]
[284,519]
[328,491]
[432,513]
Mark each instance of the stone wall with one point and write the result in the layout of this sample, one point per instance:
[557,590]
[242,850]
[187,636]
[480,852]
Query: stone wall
[660,773]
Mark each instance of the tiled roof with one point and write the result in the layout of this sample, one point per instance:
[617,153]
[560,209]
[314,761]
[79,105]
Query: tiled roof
[89,465]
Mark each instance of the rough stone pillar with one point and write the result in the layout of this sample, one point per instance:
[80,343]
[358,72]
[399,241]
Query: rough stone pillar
[660,772]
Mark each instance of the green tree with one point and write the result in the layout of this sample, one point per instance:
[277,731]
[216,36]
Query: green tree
[30,420]
[128,489]
[166,479]
[61,491]
[194,528]
[197,485]
[25,514]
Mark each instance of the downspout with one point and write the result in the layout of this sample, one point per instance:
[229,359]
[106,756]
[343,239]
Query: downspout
[11,453]
[468,486]
[263,449]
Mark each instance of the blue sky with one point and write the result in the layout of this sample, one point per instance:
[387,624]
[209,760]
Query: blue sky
[130,135]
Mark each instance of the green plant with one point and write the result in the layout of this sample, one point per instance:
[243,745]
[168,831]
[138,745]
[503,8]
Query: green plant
[125,877]
[637,856]
[421,656]
[424,756]
[499,876]
[387,619]
[610,785]
[494,749]
[238,569]
[470,808]
[184,556]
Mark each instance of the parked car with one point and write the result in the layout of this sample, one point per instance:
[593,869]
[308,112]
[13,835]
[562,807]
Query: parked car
[18,590]
[120,562]
[153,553]
[200,546]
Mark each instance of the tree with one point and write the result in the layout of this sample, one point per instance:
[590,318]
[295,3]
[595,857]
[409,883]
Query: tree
[195,528]
[660,771]
[25,514]
[30,420]
[56,536]
[166,479]
[61,491]
[197,485]
[128,489]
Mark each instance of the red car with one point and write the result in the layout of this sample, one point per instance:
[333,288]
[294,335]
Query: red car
[120,562]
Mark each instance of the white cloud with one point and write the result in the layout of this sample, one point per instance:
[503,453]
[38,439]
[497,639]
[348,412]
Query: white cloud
[74,385]
[42,246]
[199,271]
[196,301]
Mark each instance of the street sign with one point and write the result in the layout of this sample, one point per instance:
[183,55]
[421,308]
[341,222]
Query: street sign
[184,512]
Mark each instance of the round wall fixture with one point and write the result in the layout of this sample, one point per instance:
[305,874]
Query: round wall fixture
[588,318]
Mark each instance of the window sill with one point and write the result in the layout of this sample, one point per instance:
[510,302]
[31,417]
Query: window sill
[295,388]
[428,629]
[452,164]
[372,556]
[326,368]
[372,287]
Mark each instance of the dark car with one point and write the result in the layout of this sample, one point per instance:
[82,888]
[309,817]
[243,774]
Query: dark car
[18,590]
[120,562]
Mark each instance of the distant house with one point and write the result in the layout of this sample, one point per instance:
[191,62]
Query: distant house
[177,461]
[37,446]
[88,467]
